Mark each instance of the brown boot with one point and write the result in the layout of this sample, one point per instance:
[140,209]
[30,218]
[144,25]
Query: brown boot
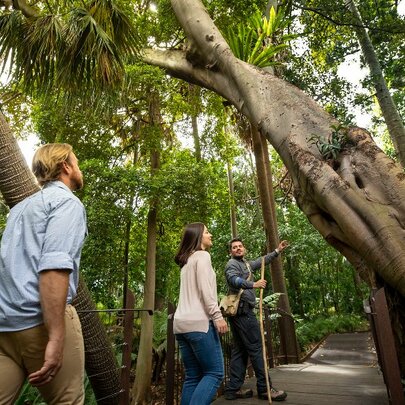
[275,395]
[239,394]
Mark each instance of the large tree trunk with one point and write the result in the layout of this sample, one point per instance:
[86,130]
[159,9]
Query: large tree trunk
[356,202]
[16,183]
[389,110]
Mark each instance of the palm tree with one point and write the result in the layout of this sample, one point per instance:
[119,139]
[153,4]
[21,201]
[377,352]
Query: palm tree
[16,183]
[75,51]
[389,110]
[56,48]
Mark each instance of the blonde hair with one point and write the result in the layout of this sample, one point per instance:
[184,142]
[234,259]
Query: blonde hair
[46,163]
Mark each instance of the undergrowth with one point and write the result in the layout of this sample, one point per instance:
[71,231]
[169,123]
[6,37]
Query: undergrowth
[313,331]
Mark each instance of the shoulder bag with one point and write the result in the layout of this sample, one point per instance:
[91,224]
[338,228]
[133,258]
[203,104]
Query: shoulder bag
[230,303]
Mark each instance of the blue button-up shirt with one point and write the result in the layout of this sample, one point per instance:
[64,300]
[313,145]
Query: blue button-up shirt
[45,231]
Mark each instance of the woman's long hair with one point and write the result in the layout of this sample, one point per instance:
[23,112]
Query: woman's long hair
[190,242]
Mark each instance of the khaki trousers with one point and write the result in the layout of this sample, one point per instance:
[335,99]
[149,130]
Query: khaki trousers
[22,353]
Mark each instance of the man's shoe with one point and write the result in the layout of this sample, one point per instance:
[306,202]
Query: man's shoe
[239,394]
[275,395]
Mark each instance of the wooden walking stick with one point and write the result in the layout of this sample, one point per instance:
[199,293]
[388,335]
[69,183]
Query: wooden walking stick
[266,369]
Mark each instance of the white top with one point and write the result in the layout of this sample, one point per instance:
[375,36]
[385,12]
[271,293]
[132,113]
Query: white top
[198,302]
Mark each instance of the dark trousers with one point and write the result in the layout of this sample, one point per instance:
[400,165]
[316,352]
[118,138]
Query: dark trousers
[247,343]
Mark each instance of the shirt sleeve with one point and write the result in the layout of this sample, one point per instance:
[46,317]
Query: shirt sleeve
[64,236]
[206,282]
[257,263]
[234,277]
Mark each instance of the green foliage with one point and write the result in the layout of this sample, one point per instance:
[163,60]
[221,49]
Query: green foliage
[271,300]
[68,46]
[31,396]
[253,42]
[329,40]
[159,328]
[330,148]
[3,216]
[313,331]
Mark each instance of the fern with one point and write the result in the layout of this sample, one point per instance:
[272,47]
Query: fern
[330,148]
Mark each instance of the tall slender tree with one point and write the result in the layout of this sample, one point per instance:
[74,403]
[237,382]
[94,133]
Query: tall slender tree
[267,201]
[389,110]
[143,375]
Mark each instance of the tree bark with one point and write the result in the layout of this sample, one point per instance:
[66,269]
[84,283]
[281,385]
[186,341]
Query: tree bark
[16,179]
[143,374]
[292,271]
[389,110]
[16,183]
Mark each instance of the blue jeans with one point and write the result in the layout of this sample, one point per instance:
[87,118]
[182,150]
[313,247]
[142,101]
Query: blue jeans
[204,365]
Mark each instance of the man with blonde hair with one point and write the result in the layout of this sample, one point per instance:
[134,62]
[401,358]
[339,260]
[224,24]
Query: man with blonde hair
[40,332]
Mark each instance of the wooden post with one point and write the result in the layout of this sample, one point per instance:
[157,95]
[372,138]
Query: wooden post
[127,347]
[266,370]
[385,344]
[170,360]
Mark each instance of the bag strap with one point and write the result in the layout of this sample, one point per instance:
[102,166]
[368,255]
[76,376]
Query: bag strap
[249,276]
[249,268]
[240,292]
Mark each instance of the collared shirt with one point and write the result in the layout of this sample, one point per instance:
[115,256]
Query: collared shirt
[45,231]
[237,271]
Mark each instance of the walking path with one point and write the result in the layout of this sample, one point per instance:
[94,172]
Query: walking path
[343,370]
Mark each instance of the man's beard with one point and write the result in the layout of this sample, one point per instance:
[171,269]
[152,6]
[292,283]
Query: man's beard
[78,183]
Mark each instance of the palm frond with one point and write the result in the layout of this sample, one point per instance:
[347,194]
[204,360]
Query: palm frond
[98,39]
[43,40]
[11,37]
[266,57]
[79,47]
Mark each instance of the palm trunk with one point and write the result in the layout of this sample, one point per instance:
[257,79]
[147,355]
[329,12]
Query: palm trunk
[143,375]
[268,203]
[16,183]
[16,179]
